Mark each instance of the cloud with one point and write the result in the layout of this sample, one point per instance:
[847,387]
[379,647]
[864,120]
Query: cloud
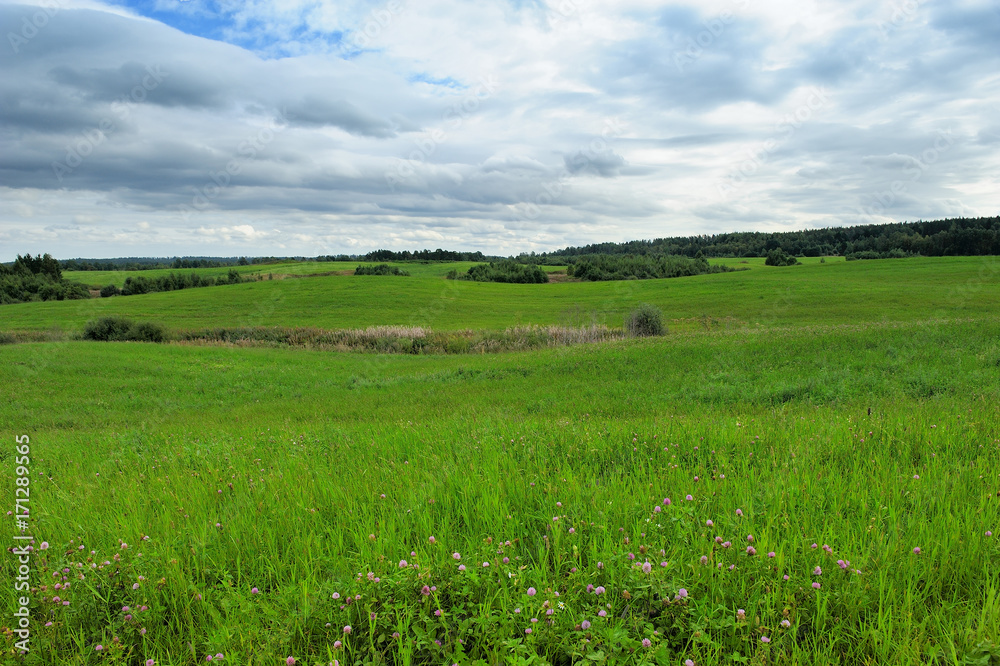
[506,125]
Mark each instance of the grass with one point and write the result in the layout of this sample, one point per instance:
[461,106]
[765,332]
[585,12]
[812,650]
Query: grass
[230,500]
[477,451]
[813,294]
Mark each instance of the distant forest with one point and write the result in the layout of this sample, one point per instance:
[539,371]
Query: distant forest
[954,237]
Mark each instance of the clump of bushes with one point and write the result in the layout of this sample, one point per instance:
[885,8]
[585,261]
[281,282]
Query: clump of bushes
[122,329]
[37,279]
[503,271]
[645,320]
[379,269]
[779,257]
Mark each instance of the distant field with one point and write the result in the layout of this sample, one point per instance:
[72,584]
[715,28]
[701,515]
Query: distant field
[829,293]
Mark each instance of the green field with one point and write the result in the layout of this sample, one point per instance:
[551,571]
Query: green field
[813,294]
[229,500]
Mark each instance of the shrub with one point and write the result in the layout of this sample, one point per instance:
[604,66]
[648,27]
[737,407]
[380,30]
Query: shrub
[778,257]
[146,331]
[110,290]
[645,320]
[122,329]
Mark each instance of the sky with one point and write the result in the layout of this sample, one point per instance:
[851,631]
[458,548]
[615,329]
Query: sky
[303,127]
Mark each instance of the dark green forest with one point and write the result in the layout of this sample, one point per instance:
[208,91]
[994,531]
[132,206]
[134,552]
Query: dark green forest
[953,237]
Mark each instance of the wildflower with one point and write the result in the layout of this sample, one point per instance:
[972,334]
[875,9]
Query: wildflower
[337,645]
[765,639]
[432,539]
[336,595]
[682,593]
[816,586]
[426,591]
[456,556]
[718,539]
[461,567]
[437,613]
[817,572]
[688,662]
[988,533]
[528,630]
[750,538]
[646,643]
[815,546]
[785,577]
[916,477]
[602,613]
[647,567]
[599,589]
[99,648]
[402,564]
[45,545]
[689,498]
[751,550]
[150,662]
[347,629]
[739,512]
[709,523]
[531,592]
[726,544]
[704,559]
[585,625]
[657,509]
[290,661]
[740,614]
[842,564]
[486,564]
[771,554]
[786,624]
[666,501]
[916,551]
[600,565]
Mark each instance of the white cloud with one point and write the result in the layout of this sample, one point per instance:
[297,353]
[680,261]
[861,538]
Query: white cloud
[346,126]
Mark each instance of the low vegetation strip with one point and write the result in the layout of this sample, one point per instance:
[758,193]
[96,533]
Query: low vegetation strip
[405,339]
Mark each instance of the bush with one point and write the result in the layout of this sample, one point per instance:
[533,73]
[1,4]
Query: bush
[780,258]
[645,320]
[503,271]
[122,329]
[110,290]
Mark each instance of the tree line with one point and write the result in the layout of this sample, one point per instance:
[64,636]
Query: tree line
[599,267]
[37,278]
[951,237]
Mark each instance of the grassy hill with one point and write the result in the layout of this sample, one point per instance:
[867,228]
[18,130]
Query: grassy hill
[811,294]
[817,468]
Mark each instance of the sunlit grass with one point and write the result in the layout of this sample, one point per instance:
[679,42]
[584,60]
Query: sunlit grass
[306,474]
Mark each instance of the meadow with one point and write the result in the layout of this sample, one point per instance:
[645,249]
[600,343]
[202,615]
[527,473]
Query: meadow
[804,470]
